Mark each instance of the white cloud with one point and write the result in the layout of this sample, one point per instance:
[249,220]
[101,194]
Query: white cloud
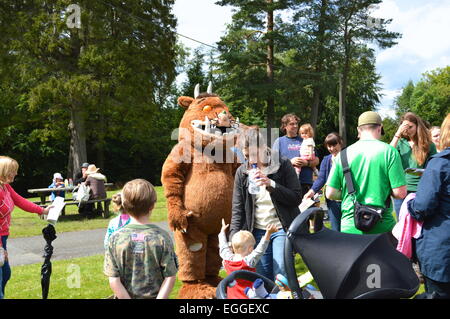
[202,20]
[424,46]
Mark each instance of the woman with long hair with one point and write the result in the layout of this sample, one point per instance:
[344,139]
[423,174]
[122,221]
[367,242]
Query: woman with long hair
[413,141]
[432,206]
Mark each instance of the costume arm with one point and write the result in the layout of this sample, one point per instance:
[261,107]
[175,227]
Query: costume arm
[173,177]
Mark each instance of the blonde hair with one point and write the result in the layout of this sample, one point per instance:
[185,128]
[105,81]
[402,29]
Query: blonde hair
[138,197]
[308,129]
[444,142]
[8,166]
[242,241]
[117,203]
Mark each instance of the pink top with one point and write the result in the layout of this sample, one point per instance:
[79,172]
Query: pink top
[407,228]
[8,199]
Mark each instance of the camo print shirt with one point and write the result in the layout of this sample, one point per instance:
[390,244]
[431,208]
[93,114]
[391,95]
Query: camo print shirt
[142,256]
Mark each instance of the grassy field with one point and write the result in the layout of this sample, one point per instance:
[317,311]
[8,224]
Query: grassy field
[24,224]
[25,280]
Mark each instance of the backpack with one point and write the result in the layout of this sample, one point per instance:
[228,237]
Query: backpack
[83,193]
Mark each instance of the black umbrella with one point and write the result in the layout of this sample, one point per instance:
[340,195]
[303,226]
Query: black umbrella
[46,269]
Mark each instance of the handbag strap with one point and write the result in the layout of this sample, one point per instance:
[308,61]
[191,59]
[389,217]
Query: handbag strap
[349,179]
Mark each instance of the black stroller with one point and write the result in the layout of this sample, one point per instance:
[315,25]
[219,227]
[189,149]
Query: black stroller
[344,266]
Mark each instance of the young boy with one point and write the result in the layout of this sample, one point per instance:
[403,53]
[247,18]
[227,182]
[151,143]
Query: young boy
[243,256]
[140,260]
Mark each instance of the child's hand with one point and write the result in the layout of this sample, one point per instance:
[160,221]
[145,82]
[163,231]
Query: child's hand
[270,229]
[224,226]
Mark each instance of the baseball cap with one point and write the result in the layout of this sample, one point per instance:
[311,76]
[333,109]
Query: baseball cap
[370,117]
[57,175]
[85,165]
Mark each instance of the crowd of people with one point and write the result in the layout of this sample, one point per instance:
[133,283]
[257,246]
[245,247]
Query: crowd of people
[140,261]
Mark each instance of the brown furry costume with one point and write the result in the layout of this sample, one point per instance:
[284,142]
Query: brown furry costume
[199,192]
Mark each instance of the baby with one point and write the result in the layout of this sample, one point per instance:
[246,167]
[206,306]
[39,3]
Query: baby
[242,256]
[307,147]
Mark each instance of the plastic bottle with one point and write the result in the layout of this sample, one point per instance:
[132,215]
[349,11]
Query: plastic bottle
[70,182]
[253,188]
[66,183]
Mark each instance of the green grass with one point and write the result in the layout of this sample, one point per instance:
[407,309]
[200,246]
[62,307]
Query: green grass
[25,282]
[24,224]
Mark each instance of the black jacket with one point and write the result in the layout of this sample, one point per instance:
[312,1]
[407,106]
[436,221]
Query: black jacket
[286,196]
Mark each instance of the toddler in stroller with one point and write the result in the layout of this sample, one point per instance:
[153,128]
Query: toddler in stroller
[242,256]
[361,267]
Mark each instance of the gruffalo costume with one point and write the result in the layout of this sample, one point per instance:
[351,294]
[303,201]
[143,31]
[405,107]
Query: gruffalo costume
[198,177]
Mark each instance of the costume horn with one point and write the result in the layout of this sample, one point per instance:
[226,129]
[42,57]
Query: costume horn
[197,91]
[209,91]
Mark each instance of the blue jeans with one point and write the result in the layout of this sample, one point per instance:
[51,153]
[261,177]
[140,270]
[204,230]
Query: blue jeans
[335,214]
[272,262]
[5,271]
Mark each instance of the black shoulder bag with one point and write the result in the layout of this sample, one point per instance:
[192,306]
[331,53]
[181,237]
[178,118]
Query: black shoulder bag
[365,216]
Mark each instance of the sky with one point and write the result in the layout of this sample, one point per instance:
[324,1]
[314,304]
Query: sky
[424,46]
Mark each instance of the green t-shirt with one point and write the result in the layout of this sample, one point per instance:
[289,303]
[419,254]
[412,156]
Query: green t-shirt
[376,169]
[142,256]
[409,161]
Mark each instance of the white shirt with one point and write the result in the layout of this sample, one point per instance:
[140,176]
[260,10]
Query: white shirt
[265,212]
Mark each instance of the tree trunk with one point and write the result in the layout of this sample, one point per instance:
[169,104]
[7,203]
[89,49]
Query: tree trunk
[319,64]
[270,75]
[77,137]
[315,107]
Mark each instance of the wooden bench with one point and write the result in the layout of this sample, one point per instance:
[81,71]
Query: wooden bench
[105,201]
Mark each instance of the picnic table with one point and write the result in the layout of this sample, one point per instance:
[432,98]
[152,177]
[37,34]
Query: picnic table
[44,192]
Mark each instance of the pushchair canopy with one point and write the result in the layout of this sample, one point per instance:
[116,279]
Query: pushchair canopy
[347,265]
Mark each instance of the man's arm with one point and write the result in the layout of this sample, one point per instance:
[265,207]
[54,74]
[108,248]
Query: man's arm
[399,192]
[333,193]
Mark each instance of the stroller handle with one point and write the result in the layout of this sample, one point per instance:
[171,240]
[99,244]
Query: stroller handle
[300,224]
[298,227]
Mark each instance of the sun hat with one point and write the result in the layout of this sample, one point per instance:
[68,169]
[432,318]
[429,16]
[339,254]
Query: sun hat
[92,169]
[57,175]
[370,117]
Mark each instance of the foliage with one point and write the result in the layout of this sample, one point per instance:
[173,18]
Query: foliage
[110,82]
[429,98]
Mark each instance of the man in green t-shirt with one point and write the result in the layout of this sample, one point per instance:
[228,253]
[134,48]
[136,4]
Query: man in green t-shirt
[377,174]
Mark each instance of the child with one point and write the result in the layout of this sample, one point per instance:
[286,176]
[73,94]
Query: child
[307,148]
[118,222]
[243,256]
[140,260]
[58,182]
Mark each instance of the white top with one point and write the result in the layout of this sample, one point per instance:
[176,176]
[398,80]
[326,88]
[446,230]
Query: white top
[251,259]
[265,212]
